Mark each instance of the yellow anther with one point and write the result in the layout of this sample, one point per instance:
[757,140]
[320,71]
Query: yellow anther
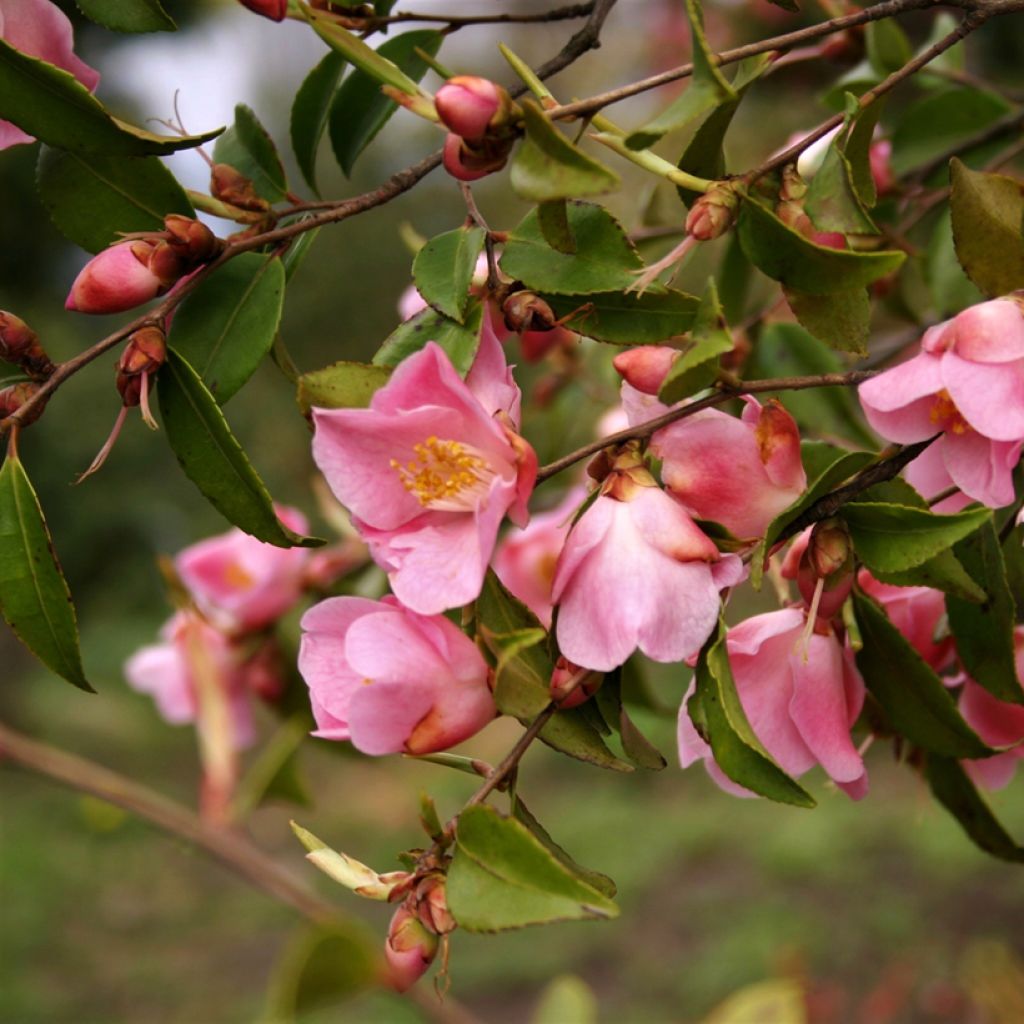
[946,415]
[445,474]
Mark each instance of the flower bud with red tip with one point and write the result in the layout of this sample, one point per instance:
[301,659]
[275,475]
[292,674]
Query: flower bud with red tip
[470,106]
[646,366]
[19,344]
[468,161]
[116,279]
[12,398]
[275,10]
[713,213]
[410,949]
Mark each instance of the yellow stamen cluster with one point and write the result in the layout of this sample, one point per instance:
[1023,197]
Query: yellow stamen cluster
[237,577]
[946,415]
[441,472]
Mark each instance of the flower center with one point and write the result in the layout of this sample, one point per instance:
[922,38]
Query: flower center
[236,576]
[946,415]
[446,475]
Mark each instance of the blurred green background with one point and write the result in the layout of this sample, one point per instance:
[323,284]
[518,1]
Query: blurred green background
[883,908]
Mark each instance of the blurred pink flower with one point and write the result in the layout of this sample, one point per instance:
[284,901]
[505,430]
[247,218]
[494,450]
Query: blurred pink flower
[239,582]
[40,29]
[430,470]
[801,696]
[391,680]
[968,384]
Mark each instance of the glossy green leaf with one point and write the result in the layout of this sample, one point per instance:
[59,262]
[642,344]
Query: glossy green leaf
[310,112]
[604,259]
[717,714]
[128,15]
[34,595]
[360,110]
[566,1000]
[227,325]
[213,460]
[950,288]
[248,147]
[857,140]
[892,538]
[952,787]
[628,319]
[503,877]
[914,699]
[53,106]
[887,45]
[341,385]
[523,674]
[787,350]
[460,341]
[710,339]
[358,53]
[787,256]
[93,199]
[984,632]
[987,215]
[942,572]
[706,89]
[323,965]
[553,220]
[548,166]
[443,270]
[842,319]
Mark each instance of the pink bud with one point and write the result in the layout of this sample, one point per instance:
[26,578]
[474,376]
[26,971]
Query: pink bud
[275,10]
[466,105]
[646,367]
[881,169]
[572,685]
[823,553]
[410,949]
[468,162]
[713,213]
[114,280]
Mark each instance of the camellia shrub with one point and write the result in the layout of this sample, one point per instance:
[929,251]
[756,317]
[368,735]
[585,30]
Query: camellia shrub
[840,409]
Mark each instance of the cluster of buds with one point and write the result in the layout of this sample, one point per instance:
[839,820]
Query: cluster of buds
[480,116]
[136,270]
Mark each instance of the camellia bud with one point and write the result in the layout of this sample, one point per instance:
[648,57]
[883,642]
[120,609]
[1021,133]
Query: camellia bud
[468,161]
[410,949]
[572,685]
[822,560]
[469,106]
[275,10]
[233,187]
[166,263]
[144,354]
[646,366]
[713,213]
[192,238]
[14,397]
[525,311]
[116,279]
[19,344]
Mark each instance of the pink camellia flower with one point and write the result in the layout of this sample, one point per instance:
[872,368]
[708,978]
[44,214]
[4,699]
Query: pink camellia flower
[801,695]
[637,572]
[968,384]
[525,559]
[999,725]
[409,950]
[40,29]
[275,10]
[916,612]
[239,582]
[391,680]
[114,280]
[467,104]
[430,470]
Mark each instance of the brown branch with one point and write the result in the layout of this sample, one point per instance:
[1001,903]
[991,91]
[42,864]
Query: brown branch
[459,20]
[723,395]
[588,38]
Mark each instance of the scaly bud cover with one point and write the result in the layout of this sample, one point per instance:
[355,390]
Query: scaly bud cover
[19,344]
[410,949]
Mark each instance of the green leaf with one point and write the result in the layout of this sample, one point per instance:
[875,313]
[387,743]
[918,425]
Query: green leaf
[912,696]
[635,745]
[892,538]
[503,877]
[53,106]
[697,367]
[310,111]
[950,288]
[842,319]
[548,166]
[628,319]
[553,219]
[227,325]
[954,790]
[523,674]
[213,460]
[460,341]
[566,1000]
[248,148]
[128,15]
[786,256]
[444,268]
[856,145]
[786,350]
[987,212]
[360,110]
[704,156]
[604,259]
[887,45]
[34,595]
[943,572]
[717,713]
[984,632]
[707,88]
[93,199]
[322,965]
[356,52]
[341,385]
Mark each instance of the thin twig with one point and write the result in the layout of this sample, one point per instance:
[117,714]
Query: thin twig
[459,20]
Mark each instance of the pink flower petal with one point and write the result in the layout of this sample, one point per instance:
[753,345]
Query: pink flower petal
[990,396]
[383,715]
[990,332]
[981,468]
